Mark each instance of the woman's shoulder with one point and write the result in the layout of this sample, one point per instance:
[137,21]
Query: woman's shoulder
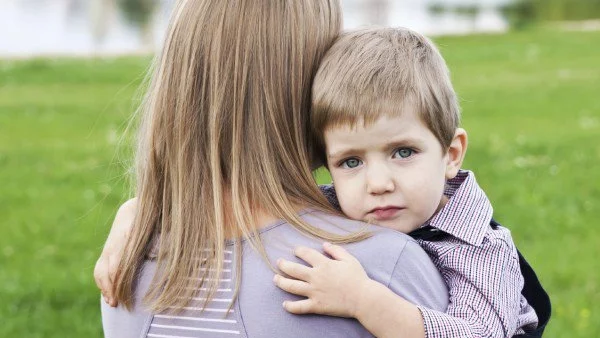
[383,246]
[392,258]
[341,225]
[381,250]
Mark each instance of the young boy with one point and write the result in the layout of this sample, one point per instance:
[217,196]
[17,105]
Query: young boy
[386,118]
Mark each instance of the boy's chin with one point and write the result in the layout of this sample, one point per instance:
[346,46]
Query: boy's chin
[403,227]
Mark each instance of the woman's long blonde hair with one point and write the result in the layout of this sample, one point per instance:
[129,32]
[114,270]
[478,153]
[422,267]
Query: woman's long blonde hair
[224,134]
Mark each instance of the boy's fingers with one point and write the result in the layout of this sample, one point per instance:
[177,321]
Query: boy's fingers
[101,277]
[337,252]
[296,287]
[110,295]
[295,270]
[298,307]
[98,281]
[113,265]
[311,256]
[99,273]
[105,294]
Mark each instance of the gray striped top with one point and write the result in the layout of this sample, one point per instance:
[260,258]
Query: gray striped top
[389,257]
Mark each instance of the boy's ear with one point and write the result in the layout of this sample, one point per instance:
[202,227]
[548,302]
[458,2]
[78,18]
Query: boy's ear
[456,153]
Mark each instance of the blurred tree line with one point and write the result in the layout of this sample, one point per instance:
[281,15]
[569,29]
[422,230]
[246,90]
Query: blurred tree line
[137,11]
[521,13]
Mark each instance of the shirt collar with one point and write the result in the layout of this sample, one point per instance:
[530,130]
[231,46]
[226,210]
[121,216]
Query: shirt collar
[468,212]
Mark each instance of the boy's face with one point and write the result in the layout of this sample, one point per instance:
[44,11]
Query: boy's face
[391,173]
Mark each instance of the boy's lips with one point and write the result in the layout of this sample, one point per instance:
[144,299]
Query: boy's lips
[385,213]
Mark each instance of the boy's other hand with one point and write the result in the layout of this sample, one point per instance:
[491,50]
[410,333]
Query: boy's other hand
[333,287]
[104,273]
[108,262]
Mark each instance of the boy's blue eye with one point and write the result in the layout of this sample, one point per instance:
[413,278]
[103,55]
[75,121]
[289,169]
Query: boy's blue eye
[351,163]
[403,152]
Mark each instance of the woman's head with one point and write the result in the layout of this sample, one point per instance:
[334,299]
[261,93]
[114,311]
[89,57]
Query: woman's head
[225,128]
[234,80]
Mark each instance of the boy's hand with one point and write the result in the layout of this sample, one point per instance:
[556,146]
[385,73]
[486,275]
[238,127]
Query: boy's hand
[108,262]
[333,287]
[104,273]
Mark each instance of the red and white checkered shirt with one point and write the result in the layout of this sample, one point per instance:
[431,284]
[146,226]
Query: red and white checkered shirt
[479,265]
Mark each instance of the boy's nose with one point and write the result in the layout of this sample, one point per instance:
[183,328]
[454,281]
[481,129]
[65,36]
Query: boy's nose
[379,181]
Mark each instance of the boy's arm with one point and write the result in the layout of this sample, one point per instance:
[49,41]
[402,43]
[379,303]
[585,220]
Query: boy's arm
[484,292]
[385,314]
[340,287]
[106,266]
[391,310]
[485,284]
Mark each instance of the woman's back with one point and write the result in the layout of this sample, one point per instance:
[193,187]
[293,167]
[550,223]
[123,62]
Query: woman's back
[224,138]
[389,257]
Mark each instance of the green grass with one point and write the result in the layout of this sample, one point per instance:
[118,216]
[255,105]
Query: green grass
[530,105]
[532,112]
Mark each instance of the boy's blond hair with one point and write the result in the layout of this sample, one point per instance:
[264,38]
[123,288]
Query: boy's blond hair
[374,72]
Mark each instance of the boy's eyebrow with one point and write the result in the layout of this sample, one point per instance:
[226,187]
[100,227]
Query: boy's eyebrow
[393,143]
[405,141]
[344,152]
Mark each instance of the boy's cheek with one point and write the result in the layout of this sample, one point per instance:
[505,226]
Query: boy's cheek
[350,201]
[351,211]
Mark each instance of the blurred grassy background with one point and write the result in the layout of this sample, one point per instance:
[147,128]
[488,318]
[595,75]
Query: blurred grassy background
[530,105]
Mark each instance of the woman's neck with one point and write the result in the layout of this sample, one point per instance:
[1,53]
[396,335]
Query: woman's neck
[263,219]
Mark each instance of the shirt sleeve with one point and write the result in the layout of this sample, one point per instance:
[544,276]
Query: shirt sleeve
[328,190]
[484,284]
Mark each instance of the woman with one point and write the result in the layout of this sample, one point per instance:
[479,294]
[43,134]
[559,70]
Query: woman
[224,185]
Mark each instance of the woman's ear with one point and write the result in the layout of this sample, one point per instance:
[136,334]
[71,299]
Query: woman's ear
[456,153]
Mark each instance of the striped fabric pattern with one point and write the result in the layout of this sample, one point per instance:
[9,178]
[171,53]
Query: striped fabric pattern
[215,321]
